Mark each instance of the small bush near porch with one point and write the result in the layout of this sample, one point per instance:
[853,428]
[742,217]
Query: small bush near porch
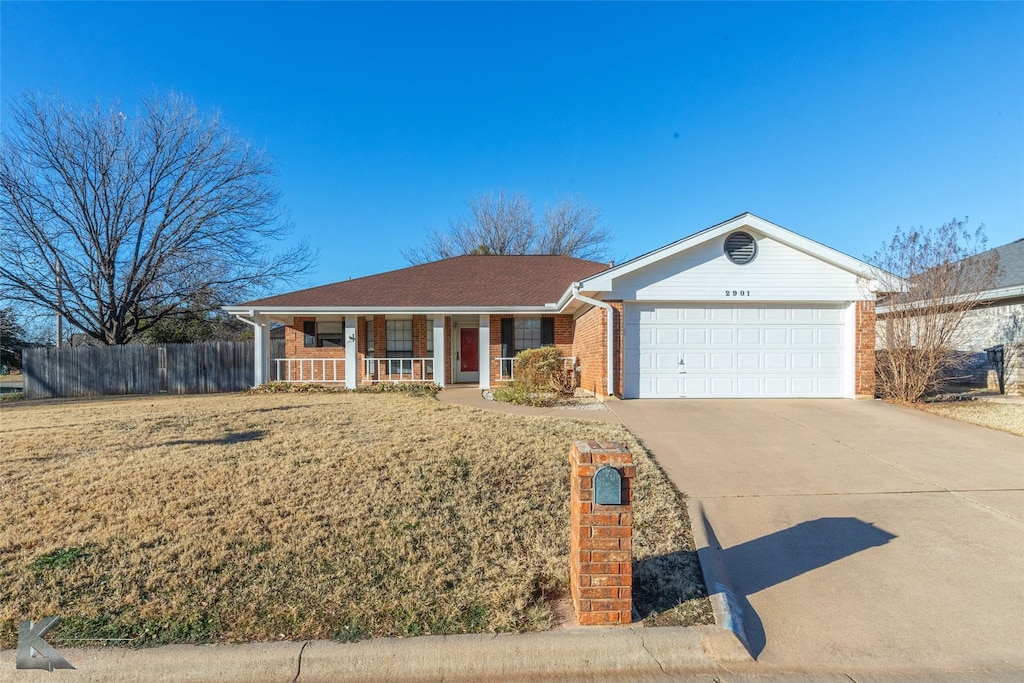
[250,517]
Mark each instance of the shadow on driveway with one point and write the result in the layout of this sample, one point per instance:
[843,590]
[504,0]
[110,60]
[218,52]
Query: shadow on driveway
[750,567]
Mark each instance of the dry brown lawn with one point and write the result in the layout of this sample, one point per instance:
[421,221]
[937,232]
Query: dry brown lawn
[1007,417]
[242,517]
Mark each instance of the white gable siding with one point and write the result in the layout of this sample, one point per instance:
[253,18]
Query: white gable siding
[704,273]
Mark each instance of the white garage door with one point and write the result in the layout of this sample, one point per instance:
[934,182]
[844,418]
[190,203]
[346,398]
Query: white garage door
[718,351]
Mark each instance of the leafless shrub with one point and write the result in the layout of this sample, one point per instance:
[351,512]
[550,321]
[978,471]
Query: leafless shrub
[928,281]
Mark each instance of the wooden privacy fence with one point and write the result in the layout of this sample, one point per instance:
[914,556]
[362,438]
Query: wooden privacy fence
[138,369]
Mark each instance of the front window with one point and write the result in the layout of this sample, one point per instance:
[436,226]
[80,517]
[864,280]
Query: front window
[399,345]
[323,333]
[369,338]
[399,339]
[527,334]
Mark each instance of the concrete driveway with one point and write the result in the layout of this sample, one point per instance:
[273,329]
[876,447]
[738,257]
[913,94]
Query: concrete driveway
[855,535]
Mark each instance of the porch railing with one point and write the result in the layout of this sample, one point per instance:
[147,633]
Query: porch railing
[309,369]
[507,367]
[398,370]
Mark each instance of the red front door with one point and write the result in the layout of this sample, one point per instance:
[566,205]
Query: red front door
[469,349]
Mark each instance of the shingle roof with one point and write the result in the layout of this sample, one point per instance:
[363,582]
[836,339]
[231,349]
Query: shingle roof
[461,281]
[1011,264]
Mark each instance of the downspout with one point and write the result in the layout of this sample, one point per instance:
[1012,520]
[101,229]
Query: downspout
[610,342]
[257,362]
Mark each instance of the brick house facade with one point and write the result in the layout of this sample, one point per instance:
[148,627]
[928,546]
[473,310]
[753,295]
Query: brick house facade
[777,315]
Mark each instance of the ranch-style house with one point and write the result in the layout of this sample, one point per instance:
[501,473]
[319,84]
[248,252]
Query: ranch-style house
[745,308]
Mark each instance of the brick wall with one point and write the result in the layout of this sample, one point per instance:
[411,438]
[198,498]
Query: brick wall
[589,346]
[617,333]
[601,536]
[564,327]
[294,348]
[864,350]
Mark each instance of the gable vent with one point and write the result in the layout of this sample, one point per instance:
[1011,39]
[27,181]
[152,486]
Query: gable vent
[740,248]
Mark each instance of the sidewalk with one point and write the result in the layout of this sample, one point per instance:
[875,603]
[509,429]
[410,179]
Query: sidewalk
[593,653]
[472,397]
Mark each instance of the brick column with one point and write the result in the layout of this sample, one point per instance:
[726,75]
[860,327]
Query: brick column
[601,541]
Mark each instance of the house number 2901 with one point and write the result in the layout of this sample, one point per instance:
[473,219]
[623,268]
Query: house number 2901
[737,292]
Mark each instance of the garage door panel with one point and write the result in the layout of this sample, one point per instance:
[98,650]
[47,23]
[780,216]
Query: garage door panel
[722,361]
[695,362]
[667,385]
[723,336]
[802,336]
[802,361]
[829,336]
[748,336]
[694,386]
[749,361]
[733,351]
[749,386]
[829,361]
[829,386]
[723,386]
[695,337]
[802,386]
[667,361]
[666,336]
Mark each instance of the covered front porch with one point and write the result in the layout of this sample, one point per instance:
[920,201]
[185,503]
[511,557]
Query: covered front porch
[357,349]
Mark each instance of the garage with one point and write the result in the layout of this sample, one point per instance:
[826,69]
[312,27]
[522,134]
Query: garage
[743,309]
[733,351]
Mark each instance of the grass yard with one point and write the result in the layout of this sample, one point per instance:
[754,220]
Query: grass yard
[1007,417]
[240,517]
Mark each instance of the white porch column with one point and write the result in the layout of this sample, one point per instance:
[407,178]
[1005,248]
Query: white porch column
[485,351]
[351,351]
[261,345]
[439,350]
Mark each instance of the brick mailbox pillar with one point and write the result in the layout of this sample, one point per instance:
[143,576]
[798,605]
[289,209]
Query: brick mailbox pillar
[601,542]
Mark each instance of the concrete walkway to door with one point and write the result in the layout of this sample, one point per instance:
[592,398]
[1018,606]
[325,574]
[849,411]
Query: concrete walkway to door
[855,535]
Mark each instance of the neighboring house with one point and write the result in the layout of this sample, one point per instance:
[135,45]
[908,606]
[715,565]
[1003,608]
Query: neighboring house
[998,319]
[743,309]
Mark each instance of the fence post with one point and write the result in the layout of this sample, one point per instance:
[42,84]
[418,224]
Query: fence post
[601,532]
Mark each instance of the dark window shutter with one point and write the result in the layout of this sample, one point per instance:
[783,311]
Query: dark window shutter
[309,333]
[508,338]
[547,331]
[344,333]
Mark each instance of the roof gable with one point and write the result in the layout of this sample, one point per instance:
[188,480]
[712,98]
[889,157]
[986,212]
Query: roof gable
[698,244]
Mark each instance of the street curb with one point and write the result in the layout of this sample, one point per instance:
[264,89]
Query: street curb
[593,652]
[727,640]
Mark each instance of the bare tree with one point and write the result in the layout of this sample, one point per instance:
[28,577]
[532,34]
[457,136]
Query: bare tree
[574,227]
[118,221]
[928,280]
[505,224]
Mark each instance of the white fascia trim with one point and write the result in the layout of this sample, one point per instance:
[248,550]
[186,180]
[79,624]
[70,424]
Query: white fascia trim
[604,281]
[378,310]
[987,296]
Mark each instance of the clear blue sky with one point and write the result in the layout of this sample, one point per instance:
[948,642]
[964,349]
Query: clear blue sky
[838,121]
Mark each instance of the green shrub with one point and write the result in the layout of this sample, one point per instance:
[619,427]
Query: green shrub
[519,394]
[539,381]
[411,388]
